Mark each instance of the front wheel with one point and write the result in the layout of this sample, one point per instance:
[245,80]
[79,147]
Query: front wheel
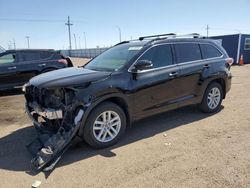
[212,98]
[105,125]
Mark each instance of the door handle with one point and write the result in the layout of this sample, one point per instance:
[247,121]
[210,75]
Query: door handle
[173,74]
[206,66]
[11,68]
[42,65]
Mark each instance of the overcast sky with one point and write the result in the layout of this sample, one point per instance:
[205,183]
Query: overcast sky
[44,21]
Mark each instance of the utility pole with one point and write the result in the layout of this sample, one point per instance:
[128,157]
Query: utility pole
[120,33]
[14,43]
[69,24]
[75,41]
[28,41]
[79,42]
[85,41]
[9,45]
[207,28]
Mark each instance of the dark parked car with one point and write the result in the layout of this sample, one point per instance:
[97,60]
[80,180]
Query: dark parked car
[130,81]
[18,66]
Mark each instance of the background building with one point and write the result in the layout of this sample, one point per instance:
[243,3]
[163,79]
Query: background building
[236,45]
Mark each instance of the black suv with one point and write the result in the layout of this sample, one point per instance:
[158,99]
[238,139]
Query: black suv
[18,66]
[132,80]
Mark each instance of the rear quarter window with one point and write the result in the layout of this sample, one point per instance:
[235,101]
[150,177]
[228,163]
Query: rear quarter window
[45,55]
[186,52]
[209,51]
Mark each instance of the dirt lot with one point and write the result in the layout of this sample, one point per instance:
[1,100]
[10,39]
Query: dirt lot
[181,148]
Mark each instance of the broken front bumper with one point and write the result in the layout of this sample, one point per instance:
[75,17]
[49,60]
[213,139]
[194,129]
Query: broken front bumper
[50,144]
[47,113]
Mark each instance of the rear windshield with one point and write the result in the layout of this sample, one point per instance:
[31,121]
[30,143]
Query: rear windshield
[114,58]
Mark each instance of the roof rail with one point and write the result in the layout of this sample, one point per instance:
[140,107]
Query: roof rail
[194,35]
[164,36]
[171,35]
[157,36]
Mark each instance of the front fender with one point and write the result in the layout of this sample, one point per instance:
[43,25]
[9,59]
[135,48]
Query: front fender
[107,97]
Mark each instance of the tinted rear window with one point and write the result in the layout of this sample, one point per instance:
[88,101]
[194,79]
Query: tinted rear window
[187,52]
[209,51]
[160,56]
[29,56]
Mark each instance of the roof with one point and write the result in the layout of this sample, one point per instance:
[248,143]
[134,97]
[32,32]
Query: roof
[166,40]
[182,40]
[29,50]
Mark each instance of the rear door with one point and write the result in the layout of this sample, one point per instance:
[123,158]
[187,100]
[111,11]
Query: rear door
[156,89]
[28,65]
[8,70]
[192,68]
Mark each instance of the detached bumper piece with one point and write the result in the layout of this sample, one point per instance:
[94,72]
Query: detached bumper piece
[51,142]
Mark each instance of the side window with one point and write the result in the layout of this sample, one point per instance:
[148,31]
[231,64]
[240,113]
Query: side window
[209,51]
[29,56]
[160,56]
[187,52]
[45,55]
[247,44]
[8,58]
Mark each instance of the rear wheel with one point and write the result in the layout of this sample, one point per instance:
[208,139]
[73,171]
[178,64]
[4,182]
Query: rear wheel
[105,125]
[212,98]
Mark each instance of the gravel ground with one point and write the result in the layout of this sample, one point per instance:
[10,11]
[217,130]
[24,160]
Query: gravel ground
[181,148]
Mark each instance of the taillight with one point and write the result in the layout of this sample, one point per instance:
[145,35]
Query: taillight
[230,61]
[64,61]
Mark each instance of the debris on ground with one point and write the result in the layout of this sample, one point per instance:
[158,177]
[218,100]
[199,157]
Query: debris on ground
[37,183]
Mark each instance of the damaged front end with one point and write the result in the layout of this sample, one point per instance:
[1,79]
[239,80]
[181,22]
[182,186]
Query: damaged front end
[56,115]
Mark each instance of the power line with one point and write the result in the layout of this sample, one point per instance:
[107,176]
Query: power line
[29,20]
[37,20]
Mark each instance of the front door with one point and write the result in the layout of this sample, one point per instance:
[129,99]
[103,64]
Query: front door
[8,70]
[156,89]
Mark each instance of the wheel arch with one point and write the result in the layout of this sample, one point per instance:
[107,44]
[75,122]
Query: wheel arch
[117,99]
[222,82]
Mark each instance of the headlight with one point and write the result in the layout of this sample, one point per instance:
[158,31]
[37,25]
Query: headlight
[24,87]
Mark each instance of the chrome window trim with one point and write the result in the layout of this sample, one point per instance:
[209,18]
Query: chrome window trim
[175,64]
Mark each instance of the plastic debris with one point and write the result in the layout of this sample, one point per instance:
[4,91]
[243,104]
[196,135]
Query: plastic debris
[167,144]
[36,184]
[165,134]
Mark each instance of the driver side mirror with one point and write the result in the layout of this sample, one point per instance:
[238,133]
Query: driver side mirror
[143,65]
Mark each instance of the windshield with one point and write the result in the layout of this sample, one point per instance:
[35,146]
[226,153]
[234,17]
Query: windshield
[114,58]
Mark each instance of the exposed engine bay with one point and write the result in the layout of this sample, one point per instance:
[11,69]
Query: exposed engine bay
[56,116]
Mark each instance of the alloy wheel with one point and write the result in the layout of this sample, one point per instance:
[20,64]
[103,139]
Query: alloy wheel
[214,97]
[107,126]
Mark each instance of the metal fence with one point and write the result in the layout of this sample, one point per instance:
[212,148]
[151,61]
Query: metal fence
[85,53]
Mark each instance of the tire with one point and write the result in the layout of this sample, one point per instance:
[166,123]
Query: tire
[97,131]
[212,98]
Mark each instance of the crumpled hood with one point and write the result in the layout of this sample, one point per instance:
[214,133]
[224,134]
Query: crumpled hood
[73,76]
